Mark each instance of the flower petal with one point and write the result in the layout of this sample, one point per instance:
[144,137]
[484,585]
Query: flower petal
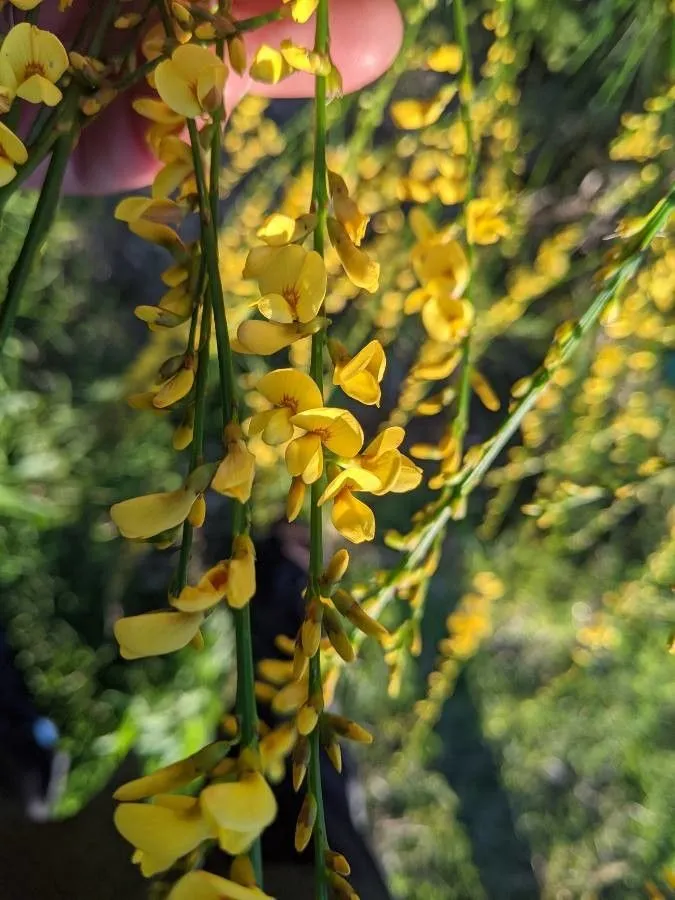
[157,633]
[266,338]
[141,518]
[244,805]
[290,388]
[163,832]
[352,518]
[201,885]
[304,457]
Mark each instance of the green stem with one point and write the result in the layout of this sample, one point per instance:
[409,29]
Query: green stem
[466,90]
[209,239]
[320,207]
[37,231]
[197,446]
[208,208]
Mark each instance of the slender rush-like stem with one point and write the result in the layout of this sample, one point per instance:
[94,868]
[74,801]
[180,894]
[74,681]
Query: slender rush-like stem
[466,90]
[37,231]
[208,209]
[320,207]
[197,445]
[209,238]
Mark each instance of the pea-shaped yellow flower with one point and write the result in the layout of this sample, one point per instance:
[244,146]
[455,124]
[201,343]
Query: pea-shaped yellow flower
[382,458]
[268,65]
[12,153]
[290,392]
[447,319]
[293,286]
[240,810]
[201,885]
[446,58]
[192,81]
[442,266]
[31,62]
[359,376]
[484,225]
[235,474]
[351,516]
[335,429]
[241,581]
[209,590]
[163,831]
[157,633]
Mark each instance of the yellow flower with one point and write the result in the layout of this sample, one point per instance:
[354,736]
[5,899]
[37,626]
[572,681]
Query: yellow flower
[209,590]
[174,308]
[442,266]
[151,219]
[159,211]
[267,338]
[446,319]
[12,153]
[361,269]
[290,392]
[241,583]
[415,114]
[293,286]
[176,387]
[279,229]
[302,10]
[382,458]
[201,885]
[240,810]
[346,210]
[269,66]
[144,517]
[156,633]
[359,376]
[31,62]
[165,122]
[351,516]
[235,474]
[163,831]
[192,81]
[304,60]
[484,225]
[446,58]
[26,4]
[336,429]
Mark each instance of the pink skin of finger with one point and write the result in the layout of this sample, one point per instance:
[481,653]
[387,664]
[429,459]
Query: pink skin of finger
[112,155]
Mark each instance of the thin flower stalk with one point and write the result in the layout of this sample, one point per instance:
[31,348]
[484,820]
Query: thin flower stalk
[320,207]
[208,210]
[197,445]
